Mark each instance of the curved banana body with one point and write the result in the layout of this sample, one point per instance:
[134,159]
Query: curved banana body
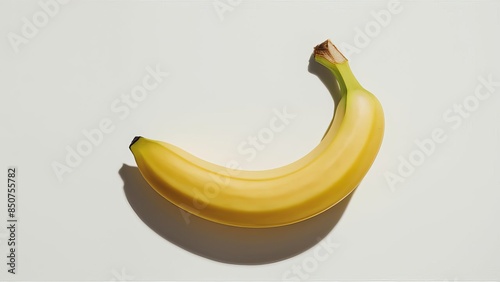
[283,195]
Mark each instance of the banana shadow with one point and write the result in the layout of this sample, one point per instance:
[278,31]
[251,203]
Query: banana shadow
[326,77]
[228,244]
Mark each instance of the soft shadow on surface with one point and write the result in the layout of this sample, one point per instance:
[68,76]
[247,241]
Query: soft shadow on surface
[219,242]
[230,244]
[326,77]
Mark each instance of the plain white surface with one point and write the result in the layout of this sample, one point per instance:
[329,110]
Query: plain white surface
[226,78]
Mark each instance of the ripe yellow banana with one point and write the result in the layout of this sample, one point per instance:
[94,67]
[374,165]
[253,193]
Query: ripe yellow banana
[283,195]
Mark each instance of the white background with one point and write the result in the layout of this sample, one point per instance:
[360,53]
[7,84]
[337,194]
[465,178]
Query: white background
[228,72]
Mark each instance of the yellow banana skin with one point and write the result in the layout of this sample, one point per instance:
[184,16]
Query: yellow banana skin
[283,195]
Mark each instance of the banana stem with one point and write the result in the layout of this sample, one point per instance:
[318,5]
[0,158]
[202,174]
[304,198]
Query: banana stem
[349,81]
[329,56]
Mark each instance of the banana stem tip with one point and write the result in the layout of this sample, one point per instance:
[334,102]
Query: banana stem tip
[328,51]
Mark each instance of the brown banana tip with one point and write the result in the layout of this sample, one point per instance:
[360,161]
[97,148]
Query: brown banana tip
[134,140]
[328,51]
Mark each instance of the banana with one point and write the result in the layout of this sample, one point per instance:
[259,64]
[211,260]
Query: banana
[284,195]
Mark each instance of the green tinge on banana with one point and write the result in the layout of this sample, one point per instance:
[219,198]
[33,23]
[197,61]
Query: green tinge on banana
[284,195]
